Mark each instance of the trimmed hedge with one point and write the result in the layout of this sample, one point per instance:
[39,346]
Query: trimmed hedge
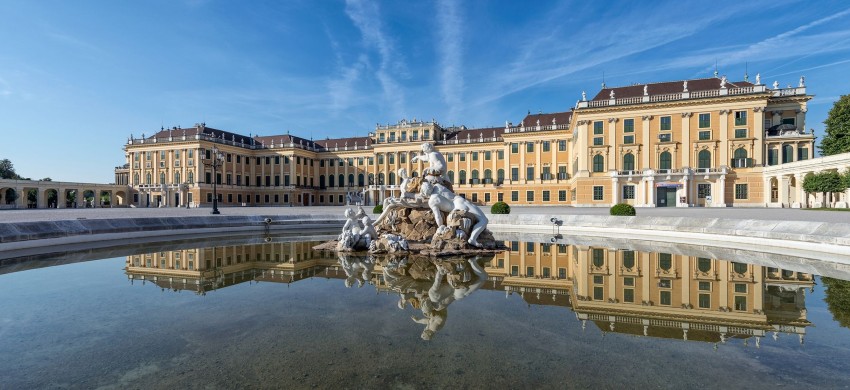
[500,208]
[623,209]
[378,209]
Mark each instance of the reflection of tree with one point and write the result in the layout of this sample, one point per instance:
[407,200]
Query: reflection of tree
[838,299]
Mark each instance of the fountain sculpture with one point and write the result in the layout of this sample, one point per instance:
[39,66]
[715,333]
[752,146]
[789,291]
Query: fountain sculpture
[427,217]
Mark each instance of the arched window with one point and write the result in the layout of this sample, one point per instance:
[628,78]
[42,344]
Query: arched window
[740,153]
[665,160]
[703,264]
[474,174]
[665,261]
[598,258]
[371,179]
[350,179]
[462,177]
[321,181]
[148,178]
[361,180]
[598,163]
[629,259]
[341,182]
[161,178]
[330,180]
[414,174]
[176,177]
[704,159]
[500,175]
[451,176]
[488,174]
[787,154]
[629,163]
[392,179]
[136,179]
[381,179]
[191,177]
[739,268]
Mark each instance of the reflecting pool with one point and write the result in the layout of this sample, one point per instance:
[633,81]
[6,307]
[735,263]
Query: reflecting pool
[550,313]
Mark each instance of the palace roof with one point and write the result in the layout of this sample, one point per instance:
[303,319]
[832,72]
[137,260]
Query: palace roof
[475,134]
[560,118]
[666,87]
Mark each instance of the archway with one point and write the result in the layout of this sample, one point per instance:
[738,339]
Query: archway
[51,198]
[8,196]
[71,198]
[88,198]
[774,190]
[105,198]
[31,197]
[120,198]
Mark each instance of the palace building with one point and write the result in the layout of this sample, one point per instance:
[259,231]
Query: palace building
[691,143]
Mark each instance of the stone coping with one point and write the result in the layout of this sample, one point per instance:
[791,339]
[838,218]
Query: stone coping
[818,237]
[822,238]
[29,231]
[814,232]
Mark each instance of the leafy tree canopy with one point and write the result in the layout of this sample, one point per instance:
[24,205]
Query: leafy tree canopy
[837,138]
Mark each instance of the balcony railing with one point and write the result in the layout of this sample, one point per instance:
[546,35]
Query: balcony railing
[689,95]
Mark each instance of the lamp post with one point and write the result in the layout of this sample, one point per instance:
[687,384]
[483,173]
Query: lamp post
[217,160]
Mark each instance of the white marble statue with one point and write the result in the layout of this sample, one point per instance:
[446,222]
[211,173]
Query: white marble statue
[436,163]
[583,96]
[441,199]
[758,78]
[645,90]
[723,82]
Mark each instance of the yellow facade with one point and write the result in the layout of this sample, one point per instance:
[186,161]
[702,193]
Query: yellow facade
[702,147]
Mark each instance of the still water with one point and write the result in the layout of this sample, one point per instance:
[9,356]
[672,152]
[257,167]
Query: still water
[239,313]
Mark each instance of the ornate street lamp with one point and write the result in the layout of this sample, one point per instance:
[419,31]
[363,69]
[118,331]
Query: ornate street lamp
[217,161]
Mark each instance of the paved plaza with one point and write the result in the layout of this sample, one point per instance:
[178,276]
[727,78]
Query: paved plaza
[732,213]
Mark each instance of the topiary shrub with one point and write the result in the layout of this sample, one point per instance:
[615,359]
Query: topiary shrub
[378,209]
[500,208]
[623,209]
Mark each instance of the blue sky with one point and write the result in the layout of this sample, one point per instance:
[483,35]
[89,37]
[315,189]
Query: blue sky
[78,77]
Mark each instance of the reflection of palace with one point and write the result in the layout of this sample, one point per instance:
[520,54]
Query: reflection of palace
[703,142]
[658,294]
[651,294]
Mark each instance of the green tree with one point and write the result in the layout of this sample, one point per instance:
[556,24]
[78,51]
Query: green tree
[846,178]
[7,169]
[837,298]
[825,182]
[837,138]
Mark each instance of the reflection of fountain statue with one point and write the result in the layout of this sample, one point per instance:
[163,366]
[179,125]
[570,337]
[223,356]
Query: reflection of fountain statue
[432,285]
[357,269]
[426,217]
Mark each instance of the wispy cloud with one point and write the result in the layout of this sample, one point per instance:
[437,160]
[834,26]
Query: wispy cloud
[366,17]
[450,53]
[799,71]
[5,89]
[568,51]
